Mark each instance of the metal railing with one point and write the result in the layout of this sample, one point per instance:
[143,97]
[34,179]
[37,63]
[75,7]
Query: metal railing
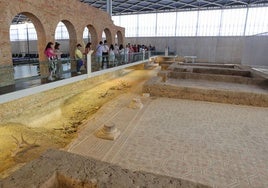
[32,69]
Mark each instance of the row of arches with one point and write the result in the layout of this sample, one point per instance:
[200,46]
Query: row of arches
[76,16]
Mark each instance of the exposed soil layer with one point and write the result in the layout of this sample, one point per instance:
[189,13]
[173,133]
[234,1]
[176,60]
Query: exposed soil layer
[21,143]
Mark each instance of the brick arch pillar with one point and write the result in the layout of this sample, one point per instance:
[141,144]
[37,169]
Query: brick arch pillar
[72,42]
[7,77]
[6,65]
[41,43]
[94,36]
[120,37]
[109,37]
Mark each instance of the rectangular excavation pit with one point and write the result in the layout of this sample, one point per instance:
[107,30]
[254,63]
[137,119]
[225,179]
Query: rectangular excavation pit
[217,72]
[225,83]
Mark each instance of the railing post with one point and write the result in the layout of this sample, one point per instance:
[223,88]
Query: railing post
[143,54]
[166,51]
[89,62]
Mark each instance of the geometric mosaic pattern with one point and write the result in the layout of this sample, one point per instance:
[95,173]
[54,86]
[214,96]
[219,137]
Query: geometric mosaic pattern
[220,145]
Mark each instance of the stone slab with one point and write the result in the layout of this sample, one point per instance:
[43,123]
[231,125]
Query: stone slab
[62,169]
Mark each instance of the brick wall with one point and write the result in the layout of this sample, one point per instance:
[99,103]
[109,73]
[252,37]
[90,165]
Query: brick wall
[45,15]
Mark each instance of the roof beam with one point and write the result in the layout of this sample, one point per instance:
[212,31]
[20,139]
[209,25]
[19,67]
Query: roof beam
[211,3]
[138,6]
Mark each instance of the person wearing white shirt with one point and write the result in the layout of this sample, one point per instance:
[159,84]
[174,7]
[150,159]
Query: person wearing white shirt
[99,53]
[105,53]
[111,55]
[116,52]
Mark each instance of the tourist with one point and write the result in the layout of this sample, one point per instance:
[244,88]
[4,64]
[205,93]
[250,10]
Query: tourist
[87,49]
[78,58]
[116,53]
[99,53]
[59,63]
[111,55]
[105,53]
[51,56]
[121,54]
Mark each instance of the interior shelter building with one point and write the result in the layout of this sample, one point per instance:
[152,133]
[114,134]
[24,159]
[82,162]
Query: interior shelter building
[171,93]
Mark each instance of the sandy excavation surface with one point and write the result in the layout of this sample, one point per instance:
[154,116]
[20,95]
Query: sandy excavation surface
[21,143]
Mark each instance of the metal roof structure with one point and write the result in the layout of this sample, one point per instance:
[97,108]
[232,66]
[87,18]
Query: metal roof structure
[125,7]
[120,7]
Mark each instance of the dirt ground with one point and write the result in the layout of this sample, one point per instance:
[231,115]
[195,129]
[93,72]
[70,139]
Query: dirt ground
[20,143]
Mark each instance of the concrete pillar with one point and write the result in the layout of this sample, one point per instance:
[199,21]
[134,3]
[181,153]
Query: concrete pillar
[89,63]
[166,51]
[6,75]
[109,7]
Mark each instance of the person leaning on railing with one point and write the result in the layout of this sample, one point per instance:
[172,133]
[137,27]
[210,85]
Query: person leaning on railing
[87,49]
[59,63]
[111,56]
[105,54]
[121,54]
[99,54]
[51,56]
[78,58]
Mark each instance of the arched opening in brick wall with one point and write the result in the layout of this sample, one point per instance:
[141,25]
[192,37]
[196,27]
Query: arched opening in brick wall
[86,36]
[25,33]
[93,36]
[72,41]
[62,37]
[72,36]
[27,43]
[108,36]
[116,39]
[119,36]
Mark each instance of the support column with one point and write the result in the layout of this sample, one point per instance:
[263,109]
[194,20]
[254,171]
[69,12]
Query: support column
[109,7]
[89,63]
[6,75]
[166,51]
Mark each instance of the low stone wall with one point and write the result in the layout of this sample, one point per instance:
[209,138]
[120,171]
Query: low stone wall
[159,88]
[217,78]
[214,72]
[62,169]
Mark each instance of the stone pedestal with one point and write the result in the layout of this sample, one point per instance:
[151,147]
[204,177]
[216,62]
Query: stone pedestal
[108,132]
[136,104]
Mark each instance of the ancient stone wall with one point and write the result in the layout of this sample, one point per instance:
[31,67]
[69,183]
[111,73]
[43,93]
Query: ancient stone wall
[45,15]
[57,169]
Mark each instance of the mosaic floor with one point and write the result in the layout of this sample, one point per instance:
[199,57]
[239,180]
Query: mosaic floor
[220,145]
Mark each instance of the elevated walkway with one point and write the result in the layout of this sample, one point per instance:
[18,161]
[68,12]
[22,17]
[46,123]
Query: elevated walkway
[28,86]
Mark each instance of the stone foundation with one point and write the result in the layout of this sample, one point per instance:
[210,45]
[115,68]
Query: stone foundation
[62,169]
[216,83]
